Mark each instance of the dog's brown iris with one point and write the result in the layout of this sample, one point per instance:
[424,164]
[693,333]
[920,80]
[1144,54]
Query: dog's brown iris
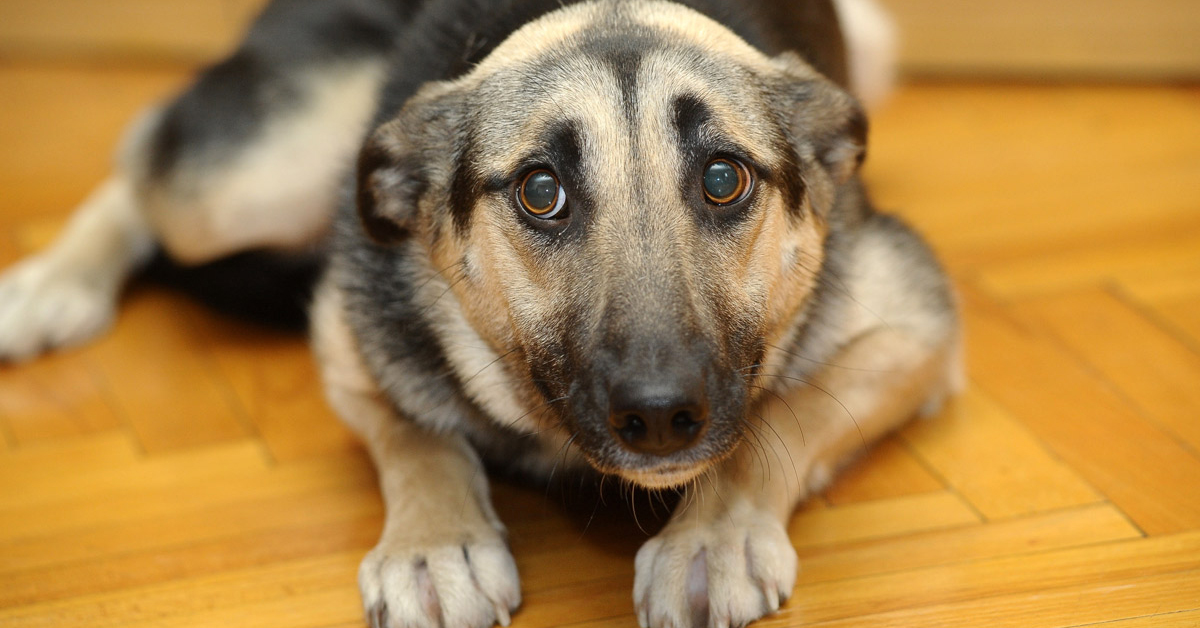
[726,181]
[541,194]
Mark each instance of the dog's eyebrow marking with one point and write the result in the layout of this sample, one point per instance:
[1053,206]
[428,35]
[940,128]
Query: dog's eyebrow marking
[465,184]
[564,151]
[691,114]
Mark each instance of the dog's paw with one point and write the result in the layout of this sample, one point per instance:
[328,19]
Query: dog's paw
[44,305]
[720,571]
[468,585]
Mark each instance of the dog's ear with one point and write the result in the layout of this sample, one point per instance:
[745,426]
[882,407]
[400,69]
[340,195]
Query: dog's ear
[823,121]
[403,160]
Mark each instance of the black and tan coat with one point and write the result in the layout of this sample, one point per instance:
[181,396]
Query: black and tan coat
[622,237]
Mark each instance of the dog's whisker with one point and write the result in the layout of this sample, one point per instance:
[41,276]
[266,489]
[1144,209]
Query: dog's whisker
[790,458]
[795,417]
[845,409]
[828,364]
[542,407]
[563,452]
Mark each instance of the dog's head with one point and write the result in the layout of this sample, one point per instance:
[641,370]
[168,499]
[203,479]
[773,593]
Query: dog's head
[631,204]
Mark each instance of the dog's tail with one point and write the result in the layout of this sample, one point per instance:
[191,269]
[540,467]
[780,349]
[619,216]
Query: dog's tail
[269,288]
[871,46]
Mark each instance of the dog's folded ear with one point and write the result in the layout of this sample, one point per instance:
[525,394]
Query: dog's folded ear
[402,160]
[824,122]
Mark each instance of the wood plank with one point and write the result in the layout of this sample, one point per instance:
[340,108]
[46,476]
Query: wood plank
[307,592]
[68,457]
[1150,367]
[992,163]
[1067,38]
[1182,619]
[1167,282]
[274,376]
[1139,263]
[993,461]
[605,599]
[1079,604]
[961,582]
[184,526]
[1167,598]
[55,486]
[1184,314]
[879,519]
[55,397]
[160,488]
[584,562]
[887,470]
[157,365]
[1172,292]
[132,568]
[67,120]
[1144,471]
[1087,525]
[128,30]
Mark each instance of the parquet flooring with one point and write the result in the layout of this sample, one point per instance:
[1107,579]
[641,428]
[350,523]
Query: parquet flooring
[184,471]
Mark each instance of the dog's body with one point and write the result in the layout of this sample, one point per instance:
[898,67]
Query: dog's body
[622,235]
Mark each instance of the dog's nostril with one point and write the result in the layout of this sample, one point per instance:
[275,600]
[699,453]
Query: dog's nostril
[684,423]
[631,428]
[655,421]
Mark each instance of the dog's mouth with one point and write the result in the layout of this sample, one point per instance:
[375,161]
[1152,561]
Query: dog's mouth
[662,475]
[667,475]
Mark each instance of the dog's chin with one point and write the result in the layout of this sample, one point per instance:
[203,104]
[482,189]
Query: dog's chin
[666,476]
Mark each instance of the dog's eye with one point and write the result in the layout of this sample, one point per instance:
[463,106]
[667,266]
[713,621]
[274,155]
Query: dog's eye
[726,181]
[541,195]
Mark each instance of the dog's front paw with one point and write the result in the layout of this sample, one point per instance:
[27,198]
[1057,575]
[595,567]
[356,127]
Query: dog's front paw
[723,570]
[45,306]
[466,585]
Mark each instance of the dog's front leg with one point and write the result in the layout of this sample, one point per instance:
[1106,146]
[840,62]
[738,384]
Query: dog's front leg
[725,558]
[442,560]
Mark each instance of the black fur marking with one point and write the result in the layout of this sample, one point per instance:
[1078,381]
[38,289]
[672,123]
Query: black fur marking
[625,64]
[623,55]
[788,176]
[466,184]
[564,151]
[270,288]
[230,104]
[691,114]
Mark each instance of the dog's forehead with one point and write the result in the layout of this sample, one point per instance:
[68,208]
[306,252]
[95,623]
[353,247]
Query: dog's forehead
[566,26]
[623,87]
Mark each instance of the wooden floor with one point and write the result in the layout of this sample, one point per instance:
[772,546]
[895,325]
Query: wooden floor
[184,470]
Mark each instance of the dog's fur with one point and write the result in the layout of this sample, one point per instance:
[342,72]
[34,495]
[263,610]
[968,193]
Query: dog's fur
[780,333]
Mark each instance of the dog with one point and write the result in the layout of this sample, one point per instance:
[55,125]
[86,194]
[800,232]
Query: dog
[624,236]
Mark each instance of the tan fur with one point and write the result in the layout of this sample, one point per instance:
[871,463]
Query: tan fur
[279,193]
[441,533]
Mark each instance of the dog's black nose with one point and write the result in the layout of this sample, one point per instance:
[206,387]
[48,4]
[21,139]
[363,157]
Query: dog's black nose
[657,418]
